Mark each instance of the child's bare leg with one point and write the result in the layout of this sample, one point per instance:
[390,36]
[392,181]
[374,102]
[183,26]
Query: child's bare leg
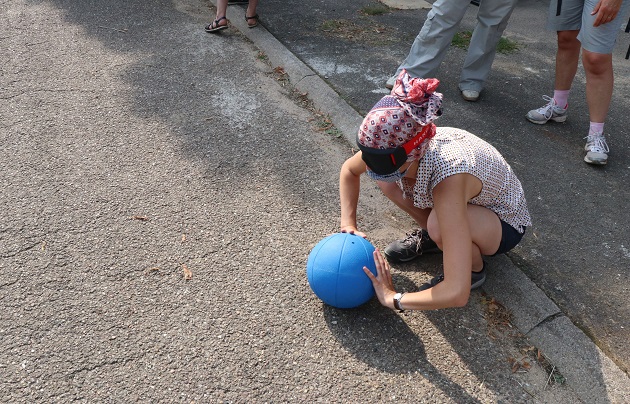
[485,231]
[393,192]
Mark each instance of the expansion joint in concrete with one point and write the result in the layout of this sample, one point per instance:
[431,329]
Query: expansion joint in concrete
[545,320]
[305,76]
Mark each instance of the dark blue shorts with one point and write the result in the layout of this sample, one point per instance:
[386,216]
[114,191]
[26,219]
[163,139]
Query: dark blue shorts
[510,237]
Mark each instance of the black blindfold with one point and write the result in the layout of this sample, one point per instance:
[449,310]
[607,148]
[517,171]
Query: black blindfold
[386,161]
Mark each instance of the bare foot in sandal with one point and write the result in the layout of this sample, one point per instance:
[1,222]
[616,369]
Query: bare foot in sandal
[252,21]
[217,25]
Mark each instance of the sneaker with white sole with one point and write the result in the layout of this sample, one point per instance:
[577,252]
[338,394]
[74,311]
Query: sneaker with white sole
[550,112]
[477,279]
[596,149]
[391,81]
[414,245]
[470,95]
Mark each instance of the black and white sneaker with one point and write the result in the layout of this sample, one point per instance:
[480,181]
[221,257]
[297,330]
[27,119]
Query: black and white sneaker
[477,279]
[414,245]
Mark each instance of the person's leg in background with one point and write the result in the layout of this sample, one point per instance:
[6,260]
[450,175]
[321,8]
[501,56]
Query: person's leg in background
[220,20]
[429,48]
[597,46]
[567,26]
[250,15]
[492,19]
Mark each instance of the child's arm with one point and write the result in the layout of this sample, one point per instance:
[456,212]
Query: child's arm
[349,185]
[450,199]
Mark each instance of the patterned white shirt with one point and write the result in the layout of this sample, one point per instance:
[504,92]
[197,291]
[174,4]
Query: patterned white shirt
[454,151]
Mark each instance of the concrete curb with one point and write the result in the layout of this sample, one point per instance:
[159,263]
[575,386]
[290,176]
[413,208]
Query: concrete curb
[589,372]
[325,99]
[408,4]
[593,376]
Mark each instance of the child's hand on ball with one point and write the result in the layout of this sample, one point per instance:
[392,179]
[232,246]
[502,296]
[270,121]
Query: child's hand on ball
[382,282]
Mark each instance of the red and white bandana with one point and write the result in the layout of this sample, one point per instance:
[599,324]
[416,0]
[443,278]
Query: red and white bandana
[397,118]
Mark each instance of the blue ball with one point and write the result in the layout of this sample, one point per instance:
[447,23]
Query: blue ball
[335,270]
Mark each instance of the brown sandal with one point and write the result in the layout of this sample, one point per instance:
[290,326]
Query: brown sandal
[255,18]
[214,26]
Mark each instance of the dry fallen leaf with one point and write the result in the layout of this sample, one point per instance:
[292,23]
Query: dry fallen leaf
[187,272]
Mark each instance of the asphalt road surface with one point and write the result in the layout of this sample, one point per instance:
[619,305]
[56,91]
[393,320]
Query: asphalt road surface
[161,191]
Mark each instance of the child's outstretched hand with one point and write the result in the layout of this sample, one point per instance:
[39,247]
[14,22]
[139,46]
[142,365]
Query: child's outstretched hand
[382,282]
[353,230]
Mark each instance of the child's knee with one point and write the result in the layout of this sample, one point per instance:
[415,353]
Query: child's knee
[434,229]
[389,189]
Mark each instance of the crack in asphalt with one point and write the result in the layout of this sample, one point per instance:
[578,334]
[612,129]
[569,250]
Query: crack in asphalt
[20,251]
[99,365]
[9,283]
[46,90]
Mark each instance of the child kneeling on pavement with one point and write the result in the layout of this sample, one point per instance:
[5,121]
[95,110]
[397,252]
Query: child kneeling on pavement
[456,186]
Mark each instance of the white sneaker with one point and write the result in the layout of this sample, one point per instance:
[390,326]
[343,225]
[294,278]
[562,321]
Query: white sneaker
[596,149]
[470,95]
[391,81]
[550,112]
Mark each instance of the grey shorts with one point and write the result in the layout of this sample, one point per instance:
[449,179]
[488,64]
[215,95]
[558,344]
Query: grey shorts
[576,15]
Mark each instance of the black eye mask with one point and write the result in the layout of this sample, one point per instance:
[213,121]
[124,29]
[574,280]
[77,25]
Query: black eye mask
[383,161]
[386,161]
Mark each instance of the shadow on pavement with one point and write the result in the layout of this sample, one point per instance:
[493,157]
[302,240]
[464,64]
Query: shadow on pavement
[560,187]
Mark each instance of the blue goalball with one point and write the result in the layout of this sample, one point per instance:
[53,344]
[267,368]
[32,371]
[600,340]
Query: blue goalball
[335,270]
